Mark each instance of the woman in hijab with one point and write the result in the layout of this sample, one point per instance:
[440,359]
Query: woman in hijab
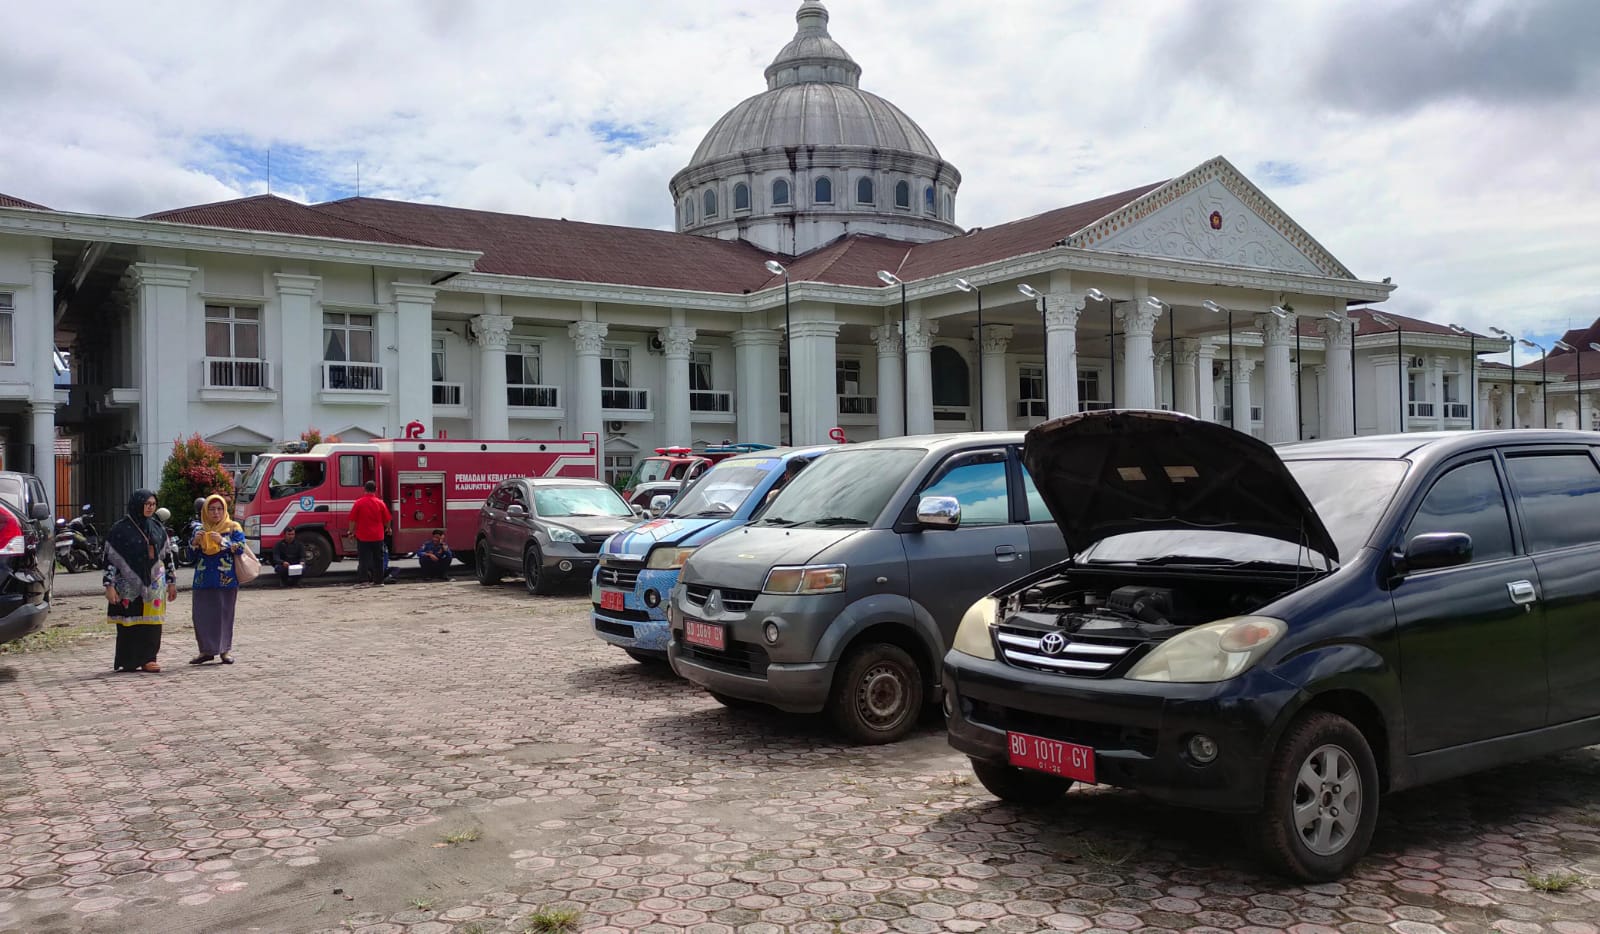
[216,589]
[139,583]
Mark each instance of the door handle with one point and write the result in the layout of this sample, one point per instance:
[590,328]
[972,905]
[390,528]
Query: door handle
[1003,553]
[1522,592]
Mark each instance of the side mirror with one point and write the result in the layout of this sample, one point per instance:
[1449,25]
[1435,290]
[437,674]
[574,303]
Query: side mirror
[1436,550]
[939,512]
[638,510]
[659,504]
[163,514]
[39,512]
[515,510]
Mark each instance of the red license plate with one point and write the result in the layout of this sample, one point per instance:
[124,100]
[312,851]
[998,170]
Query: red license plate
[611,600]
[1068,760]
[710,635]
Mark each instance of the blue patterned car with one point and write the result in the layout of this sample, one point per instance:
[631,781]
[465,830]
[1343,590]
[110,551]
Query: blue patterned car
[639,567]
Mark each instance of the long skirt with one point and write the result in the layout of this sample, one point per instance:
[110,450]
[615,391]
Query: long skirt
[137,645]
[213,618]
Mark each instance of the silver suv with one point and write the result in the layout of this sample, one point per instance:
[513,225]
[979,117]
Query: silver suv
[844,596]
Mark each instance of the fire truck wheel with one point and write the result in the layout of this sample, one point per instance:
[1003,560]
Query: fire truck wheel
[533,575]
[319,553]
[488,575]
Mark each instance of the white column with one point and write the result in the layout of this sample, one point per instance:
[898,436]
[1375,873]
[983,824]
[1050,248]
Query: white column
[1536,407]
[490,408]
[164,364]
[1242,368]
[1184,393]
[1138,364]
[1163,370]
[919,374]
[1319,380]
[1339,401]
[1436,389]
[44,444]
[1205,365]
[1279,421]
[1061,346]
[891,420]
[43,346]
[299,374]
[992,343]
[755,353]
[1485,413]
[588,337]
[813,381]
[1387,373]
[678,343]
[412,387]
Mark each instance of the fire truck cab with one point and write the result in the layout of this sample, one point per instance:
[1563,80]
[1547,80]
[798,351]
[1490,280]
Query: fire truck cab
[673,468]
[426,483]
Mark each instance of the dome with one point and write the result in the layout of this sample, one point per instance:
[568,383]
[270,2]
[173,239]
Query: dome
[814,114]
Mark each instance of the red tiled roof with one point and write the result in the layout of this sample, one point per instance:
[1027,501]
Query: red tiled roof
[7,201]
[272,214]
[1366,327]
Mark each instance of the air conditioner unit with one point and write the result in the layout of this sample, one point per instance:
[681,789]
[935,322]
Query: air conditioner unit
[1414,363]
[656,346]
[615,426]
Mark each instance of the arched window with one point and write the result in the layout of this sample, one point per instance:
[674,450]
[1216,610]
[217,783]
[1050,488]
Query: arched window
[741,197]
[864,192]
[949,206]
[927,199]
[688,210]
[780,192]
[710,203]
[902,195]
[950,386]
[824,191]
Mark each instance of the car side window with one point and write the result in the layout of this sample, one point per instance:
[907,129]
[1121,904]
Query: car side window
[1037,510]
[500,498]
[37,489]
[1468,499]
[518,498]
[1559,497]
[978,482]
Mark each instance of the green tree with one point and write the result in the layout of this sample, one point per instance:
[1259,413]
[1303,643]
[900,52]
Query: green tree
[193,471]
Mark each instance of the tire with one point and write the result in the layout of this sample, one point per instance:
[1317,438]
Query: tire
[734,703]
[533,575]
[646,658]
[319,554]
[1316,826]
[1020,786]
[877,694]
[483,566]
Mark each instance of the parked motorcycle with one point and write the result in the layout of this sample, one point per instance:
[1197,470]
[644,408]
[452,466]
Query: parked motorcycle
[81,549]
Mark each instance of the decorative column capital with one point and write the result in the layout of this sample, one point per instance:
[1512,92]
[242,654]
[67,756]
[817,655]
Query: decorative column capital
[1188,352]
[1277,331]
[160,274]
[1139,318]
[888,341]
[414,293]
[1062,314]
[994,339]
[756,337]
[678,342]
[919,335]
[492,331]
[588,337]
[1207,350]
[42,265]
[292,284]
[1244,366]
[804,329]
[1336,334]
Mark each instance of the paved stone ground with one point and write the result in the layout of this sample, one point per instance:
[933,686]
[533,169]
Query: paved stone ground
[311,788]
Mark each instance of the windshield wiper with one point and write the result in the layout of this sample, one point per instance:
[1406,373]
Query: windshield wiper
[774,520]
[827,521]
[1213,561]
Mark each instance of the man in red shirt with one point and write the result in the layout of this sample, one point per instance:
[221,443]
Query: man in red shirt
[369,519]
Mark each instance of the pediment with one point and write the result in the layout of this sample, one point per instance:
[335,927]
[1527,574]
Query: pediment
[1212,214]
[355,434]
[238,436]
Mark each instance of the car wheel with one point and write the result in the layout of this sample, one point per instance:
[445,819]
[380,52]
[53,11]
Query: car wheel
[1020,786]
[877,694]
[319,554]
[646,658]
[734,703]
[533,576]
[482,566]
[1321,799]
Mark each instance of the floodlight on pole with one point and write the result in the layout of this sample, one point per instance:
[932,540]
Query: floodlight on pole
[1508,336]
[1095,295]
[1044,324]
[1214,308]
[1579,355]
[776,268]
[1400,368]
[1172,349]
[1472,368]
[966,286]
[889,278]
[1544,380]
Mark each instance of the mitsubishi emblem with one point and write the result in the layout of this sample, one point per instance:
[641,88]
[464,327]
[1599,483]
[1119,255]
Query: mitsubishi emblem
[714,603]
[1053,644]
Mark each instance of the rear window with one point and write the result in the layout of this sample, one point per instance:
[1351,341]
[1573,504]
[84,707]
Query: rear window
[650,470]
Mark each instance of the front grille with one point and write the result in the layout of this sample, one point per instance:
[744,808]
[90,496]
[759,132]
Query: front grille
[743,658]
[632,616]
[1101,736]
[733,601]
[1023,647]
[590,547]
[613,629]
[620,578]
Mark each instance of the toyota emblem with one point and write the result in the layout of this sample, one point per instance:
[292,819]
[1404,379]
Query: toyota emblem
[1053,644]
[714,603]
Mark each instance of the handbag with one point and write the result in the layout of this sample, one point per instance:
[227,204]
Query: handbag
[246,567]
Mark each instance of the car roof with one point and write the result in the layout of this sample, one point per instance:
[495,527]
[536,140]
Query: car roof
[942,442]
[779,453]
[565,481]
[1428,445]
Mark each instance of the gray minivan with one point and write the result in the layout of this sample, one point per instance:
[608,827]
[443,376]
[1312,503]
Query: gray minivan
[844,596]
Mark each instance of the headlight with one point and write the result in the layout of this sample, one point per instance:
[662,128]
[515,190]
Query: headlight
[1210,653]
[562,534]
[972,636]
[667,558]
[818,578]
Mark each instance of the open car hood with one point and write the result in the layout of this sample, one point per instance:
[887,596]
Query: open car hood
[1113,472]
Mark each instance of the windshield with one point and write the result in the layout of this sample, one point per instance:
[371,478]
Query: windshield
[252,480]
[650,470]
[842,488]
[554,502]
[1348,495]
[723,489]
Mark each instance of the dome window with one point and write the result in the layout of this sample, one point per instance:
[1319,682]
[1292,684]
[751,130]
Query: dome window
[710,203]
[823,191]
[949,206]
[741,197]
[780,192]
[902,195]
[927,200]
[864,192]
[688,210]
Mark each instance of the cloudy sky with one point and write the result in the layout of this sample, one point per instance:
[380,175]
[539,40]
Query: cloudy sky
[1451,144]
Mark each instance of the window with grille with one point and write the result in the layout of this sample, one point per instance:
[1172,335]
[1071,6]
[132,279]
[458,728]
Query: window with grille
[700,371]
[902,195]
[1030,391]
[348,338]
[438,359]
[864,192]
[710,204]
[741,197]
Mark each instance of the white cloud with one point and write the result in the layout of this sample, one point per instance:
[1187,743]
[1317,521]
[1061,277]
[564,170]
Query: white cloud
[1476,188]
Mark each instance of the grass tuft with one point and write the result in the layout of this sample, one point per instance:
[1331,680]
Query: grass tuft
[422,903]
[553,921]
[1553,881]
[470,835]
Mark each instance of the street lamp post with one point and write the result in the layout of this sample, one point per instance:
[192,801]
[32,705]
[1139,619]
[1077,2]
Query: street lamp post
[1472,369]
[1299,410]
[1505,335]
[889,278]
[776,268]
[1592,346]
[1214,308]
[1111,335]
[1044,324]
[1172,348]
[966,286]
[1544,381]
[1400,367]
[1573,350]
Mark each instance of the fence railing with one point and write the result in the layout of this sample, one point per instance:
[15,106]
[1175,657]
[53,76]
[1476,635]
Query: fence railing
[630,400]
[858,405]
[237,373]
[533,396]
[710,400]
[1030,408]
[361,377]
[446,393]
[1457,410]
[1420,409]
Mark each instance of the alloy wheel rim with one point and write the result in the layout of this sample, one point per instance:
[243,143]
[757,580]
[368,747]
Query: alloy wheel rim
[1327,800]
[881,696]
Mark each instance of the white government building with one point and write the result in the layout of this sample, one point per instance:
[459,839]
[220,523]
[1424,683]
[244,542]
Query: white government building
[250,321]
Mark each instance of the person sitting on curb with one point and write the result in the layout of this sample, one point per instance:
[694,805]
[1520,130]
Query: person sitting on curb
[286,555]
[434,557]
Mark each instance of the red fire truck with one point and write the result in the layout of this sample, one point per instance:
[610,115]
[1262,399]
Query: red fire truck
[429,484]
